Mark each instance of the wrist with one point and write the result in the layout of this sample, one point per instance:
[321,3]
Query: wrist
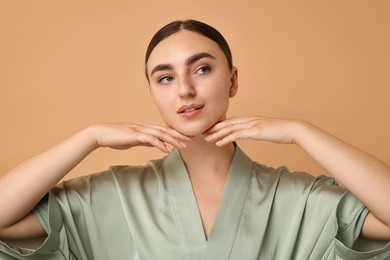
[89,135]
[301,131]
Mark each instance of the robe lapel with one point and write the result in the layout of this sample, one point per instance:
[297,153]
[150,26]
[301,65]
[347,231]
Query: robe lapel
[230,209]
[188,220]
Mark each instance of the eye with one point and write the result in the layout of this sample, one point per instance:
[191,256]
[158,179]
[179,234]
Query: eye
[203,70]
[165,79]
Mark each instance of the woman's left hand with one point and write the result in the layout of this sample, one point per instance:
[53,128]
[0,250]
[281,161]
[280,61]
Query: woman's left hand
[281,131]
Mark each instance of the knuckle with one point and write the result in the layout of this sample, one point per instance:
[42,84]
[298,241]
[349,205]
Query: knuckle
[235,135]
[159,131]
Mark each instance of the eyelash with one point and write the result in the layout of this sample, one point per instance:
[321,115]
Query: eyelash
[198,71]
[202,68]
[160,80]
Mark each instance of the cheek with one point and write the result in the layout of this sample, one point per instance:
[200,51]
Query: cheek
[160,98]
[220,96]
[218,105]
[164,105]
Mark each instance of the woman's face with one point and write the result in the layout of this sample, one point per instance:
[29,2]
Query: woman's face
[190,82]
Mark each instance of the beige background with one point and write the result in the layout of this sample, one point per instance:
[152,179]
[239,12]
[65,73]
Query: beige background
[67,64]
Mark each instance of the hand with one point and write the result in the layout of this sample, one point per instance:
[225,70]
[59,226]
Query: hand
[125,136]
[281,131]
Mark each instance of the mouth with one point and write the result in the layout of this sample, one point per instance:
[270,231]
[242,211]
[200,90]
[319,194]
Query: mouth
[190,108]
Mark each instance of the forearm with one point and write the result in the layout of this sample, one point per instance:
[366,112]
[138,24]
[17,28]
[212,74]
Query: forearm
[365,176]
[23,186]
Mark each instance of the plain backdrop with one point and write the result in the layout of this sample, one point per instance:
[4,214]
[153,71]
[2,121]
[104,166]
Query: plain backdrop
[67,64]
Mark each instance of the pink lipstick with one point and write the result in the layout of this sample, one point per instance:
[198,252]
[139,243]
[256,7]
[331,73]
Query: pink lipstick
[190,110]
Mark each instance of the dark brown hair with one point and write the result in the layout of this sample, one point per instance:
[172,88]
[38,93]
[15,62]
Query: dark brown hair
[194,26]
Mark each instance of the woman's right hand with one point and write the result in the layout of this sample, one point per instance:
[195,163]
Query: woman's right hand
[126,135]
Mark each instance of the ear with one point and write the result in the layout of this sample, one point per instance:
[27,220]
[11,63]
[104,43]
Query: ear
[233,82]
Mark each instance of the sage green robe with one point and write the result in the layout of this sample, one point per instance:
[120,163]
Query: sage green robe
[150,212]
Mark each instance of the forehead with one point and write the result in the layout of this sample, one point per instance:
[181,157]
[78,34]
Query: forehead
[181,45]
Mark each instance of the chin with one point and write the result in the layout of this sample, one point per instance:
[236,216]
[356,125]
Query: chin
[195,129]
[197,126]
[191,131]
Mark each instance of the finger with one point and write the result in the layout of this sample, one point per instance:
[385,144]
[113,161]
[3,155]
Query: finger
[227,130]
[163,136]
[175,133]
[234,136]
[230,121]
[149,140]
[219,125]
[169,130]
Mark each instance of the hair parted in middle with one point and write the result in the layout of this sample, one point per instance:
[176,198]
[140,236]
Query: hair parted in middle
[194,26]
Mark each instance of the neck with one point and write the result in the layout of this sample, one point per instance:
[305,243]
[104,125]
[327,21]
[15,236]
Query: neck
[205,159]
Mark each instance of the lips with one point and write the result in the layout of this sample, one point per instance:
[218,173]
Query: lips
[190,108]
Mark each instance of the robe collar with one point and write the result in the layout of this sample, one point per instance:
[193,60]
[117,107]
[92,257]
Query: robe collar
[229,212]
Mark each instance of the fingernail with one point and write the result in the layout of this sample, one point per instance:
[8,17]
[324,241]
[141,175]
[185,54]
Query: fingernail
[219,142]
[182,144]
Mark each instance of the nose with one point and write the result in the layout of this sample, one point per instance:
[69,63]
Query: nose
[186,88]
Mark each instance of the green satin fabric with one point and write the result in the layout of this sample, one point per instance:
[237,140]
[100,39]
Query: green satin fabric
[150,212]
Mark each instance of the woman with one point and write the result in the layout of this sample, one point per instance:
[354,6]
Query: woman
[206,199]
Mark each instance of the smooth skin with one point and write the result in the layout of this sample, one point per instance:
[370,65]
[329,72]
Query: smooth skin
[204,139]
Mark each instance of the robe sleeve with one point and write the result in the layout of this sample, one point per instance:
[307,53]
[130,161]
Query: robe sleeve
[55,246]
[84,219]
[67,214]
[350,214]
[323,220]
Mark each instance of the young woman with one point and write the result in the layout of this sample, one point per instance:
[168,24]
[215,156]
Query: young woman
[206,199]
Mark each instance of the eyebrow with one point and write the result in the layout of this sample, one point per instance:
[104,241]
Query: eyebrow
[194,58]
[189,61]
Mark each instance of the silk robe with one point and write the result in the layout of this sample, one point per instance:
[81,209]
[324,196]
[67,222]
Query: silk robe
[150,212]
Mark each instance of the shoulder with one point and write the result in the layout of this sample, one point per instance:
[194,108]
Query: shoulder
[284,175]
[297,183]
[112,173]
[106,181]
[151,170]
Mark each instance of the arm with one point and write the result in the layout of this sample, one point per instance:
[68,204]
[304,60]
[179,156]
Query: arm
[24,186]
[365,176]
